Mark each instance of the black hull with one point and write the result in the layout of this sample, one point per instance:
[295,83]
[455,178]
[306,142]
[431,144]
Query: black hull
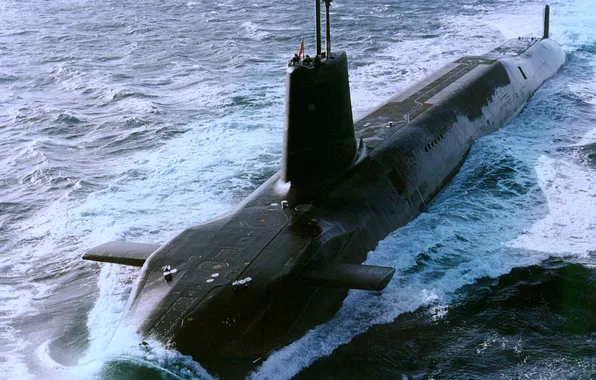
[376,178]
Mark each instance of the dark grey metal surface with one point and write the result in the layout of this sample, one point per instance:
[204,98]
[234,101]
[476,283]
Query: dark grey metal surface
[546,33]
[119,252]
[384,121]
[350,276]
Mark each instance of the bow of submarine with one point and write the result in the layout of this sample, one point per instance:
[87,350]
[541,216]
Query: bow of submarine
[239,289]
[239,286]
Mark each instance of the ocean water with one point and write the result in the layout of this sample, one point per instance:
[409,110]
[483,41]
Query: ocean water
[133,120]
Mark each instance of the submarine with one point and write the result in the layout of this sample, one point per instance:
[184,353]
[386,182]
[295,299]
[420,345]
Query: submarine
[233,289]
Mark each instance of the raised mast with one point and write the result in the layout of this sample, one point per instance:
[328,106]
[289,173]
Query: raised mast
[318,24]
[546,21]
[327,28]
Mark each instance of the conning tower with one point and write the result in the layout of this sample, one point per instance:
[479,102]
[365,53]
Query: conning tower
[319,142]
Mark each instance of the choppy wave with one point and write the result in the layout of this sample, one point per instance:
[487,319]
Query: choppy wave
[530,322]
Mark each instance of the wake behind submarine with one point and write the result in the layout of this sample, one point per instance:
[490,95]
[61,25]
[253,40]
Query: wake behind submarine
[236,288]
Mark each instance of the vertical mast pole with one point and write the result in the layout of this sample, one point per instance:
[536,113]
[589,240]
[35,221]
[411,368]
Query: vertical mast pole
[318,23]
[546,21]
[328,27]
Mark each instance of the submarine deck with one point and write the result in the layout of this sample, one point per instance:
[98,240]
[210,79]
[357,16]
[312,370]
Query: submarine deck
[414,101]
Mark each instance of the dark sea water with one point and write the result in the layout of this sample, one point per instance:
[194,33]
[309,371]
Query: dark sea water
[132,120]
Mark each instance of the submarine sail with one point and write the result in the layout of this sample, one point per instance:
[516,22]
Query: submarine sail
[319,142]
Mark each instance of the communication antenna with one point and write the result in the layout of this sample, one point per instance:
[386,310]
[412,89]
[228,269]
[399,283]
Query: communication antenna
[546,21]
[318,23]
[328,28]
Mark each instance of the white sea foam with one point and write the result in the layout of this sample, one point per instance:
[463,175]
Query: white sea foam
[115,283]
[570,226]
[125,347]
[254,31]
[572,24]
[12,353]
[587,139]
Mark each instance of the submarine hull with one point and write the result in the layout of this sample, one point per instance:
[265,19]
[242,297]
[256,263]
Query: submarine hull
[233,289]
